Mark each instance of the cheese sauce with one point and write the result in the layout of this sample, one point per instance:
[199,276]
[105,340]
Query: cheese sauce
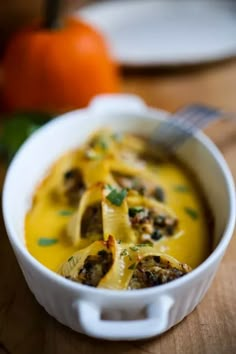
[46,223]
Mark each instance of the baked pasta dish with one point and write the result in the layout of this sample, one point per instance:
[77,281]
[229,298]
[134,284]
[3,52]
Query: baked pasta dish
[112,214]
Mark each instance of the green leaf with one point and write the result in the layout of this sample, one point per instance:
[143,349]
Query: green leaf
[181,188]
[16,128]
[191,212]
[44,241]
[103,143]
[140,245]
[116,197]
[65,212]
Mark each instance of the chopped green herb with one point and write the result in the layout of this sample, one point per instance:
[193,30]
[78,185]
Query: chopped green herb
[44,241]
[132,266]
[70,259]
[133,211]
[140,245]
[181,188]
[147,244]
[103,144]
[134,248]
[116,197]
[65,212]
[124,252]
[191,212]
[119,242]
[108,186]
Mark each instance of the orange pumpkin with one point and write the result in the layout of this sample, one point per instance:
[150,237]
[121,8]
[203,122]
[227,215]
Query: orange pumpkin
[57,70]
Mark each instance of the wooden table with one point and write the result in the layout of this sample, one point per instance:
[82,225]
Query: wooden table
[25,328]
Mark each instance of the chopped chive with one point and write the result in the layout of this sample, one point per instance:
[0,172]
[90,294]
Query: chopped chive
[181,188]
[44,241]
[119,242]
[124,252]
[147,244]
[191,212]
[140,245]
[65,212]
[116,197]
[134,248]
[70,259]
[103,144]
[132,266]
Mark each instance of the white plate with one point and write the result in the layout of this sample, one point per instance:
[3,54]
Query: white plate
[158,32]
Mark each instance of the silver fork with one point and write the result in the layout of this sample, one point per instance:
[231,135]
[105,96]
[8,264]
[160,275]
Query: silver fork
[184,123]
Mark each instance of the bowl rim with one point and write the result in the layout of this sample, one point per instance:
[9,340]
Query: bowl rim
[217,253]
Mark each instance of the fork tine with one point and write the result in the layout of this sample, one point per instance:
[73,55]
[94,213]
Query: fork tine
[168,131]
[198,122]
[196,110]
[184,123]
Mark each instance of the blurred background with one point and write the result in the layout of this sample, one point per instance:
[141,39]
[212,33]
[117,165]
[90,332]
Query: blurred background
[50,64]
[16,13]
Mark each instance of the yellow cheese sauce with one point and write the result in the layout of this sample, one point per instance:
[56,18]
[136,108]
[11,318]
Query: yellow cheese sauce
[47,220]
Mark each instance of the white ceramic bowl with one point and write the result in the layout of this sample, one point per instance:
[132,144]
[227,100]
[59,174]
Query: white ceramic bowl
[102,313]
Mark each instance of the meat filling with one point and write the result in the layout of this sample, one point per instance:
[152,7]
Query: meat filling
[145,188]
[151,271]
[95,267]
[92,221]
[151,225]
[73,186]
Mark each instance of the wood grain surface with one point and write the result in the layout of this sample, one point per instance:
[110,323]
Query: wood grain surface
[25,328]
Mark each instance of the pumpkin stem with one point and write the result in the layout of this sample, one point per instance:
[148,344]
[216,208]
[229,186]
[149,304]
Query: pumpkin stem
[52,12]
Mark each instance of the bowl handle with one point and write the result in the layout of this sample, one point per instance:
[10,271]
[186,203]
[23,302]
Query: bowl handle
[157,321]
[117,103]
